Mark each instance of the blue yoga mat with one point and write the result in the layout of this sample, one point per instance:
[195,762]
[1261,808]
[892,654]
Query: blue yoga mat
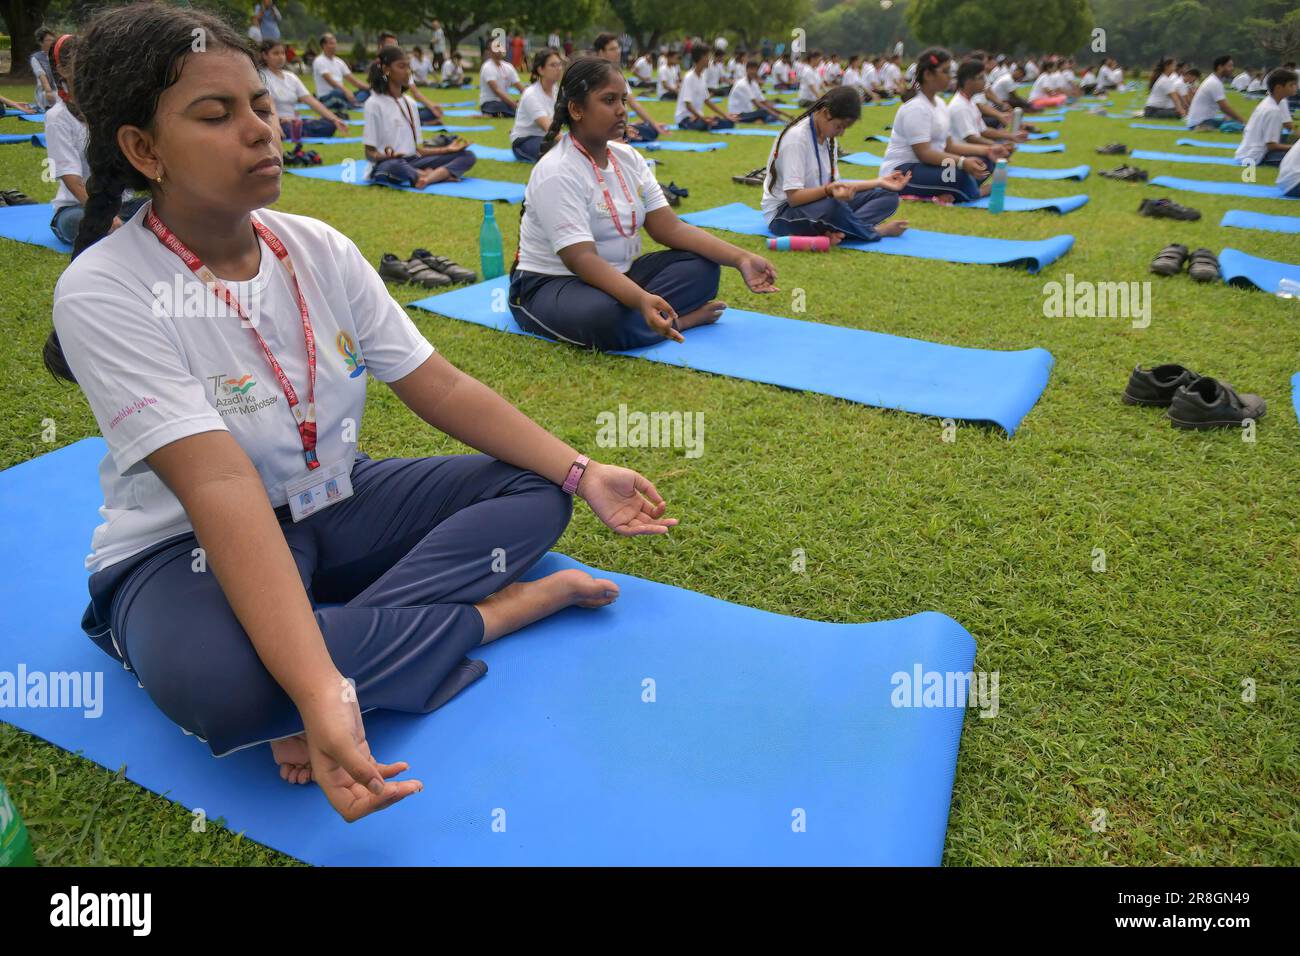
[32,117]
[1213,188]
[1258,220]
[871,368]
[1184,158]
[1207,144]
[1168,126]
[1022,147]
[1013,171]
[494,153]
[747,131]
[1245,271]
[658,144]
[325,140]
[469,188]
[1295,393]
[918,243]
[31,224]
[439,127]
[758,721]
[21,138]
[1061,204]
[1052,135]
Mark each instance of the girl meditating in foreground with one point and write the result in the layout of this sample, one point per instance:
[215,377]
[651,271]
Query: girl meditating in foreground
[579,275]
[236,501]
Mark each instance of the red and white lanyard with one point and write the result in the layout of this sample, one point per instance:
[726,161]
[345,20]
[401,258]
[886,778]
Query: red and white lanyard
[609,200]
[304,418]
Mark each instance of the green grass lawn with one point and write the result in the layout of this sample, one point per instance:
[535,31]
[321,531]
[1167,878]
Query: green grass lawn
[1120,690]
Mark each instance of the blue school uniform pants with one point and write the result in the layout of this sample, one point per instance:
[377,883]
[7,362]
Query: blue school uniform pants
[497,108]
[527,149]
[404,170]
[857,218]
[930,180]
[700,126]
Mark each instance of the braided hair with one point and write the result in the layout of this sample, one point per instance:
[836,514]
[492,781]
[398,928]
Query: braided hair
[388,55]
[125,60]
[583,75]
[928,61]
[842,102]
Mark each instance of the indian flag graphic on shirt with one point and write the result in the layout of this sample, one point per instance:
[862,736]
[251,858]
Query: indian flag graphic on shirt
[239,386]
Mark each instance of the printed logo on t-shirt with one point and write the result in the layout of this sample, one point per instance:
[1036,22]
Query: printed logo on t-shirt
[351,357]
[235,394]
[143,402]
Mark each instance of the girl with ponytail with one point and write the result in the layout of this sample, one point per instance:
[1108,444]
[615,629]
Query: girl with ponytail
[1164,101]
[331,583]
[537,106]
[287,90]
[921,143]
[579,275]
[802,194]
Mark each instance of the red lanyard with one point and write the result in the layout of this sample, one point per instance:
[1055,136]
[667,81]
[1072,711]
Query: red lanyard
[410,121]
[305,420]
[609,200]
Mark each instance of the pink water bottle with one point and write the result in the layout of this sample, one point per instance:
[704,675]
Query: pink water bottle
[800,244]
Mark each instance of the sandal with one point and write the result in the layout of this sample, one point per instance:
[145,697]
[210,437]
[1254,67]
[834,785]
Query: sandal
[754,177]
[1203,266]
[1169,261]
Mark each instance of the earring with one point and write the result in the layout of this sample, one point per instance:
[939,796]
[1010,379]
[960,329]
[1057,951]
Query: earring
[158,178]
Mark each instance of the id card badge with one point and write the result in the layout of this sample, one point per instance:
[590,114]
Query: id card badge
[319,489]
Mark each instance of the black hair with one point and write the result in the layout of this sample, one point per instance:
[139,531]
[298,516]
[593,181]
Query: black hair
[126,58]
[584,74]
[61,57]
[969,70]
[42,33]
[1220,60]
[1161,65]
[539,60]
[388,55]
[841,102]
[1192,71]
[265,47]
[929,61]
[603,40]
[1280,77]
[327,34]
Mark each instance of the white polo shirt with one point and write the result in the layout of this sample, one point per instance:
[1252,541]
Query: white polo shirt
[392,123]
[1159,97]
[810,83]
[694,90]
[642,69]
[286,90]
[917,121]
[334,66]
[153,373]
[1004,86]
[564,204]
[1110,77]
[743,96]
[1263,127]
[420,68]
[504,75]
[796,166]
[1288,174]
[667,79]
[536,104]
[65,144]
[1205,104]
[964,117]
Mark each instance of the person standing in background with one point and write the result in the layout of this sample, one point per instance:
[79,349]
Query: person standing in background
[553,40]
[625,49]
[268,19]
[41,70]
[518,49]
[439,44]
[568,45]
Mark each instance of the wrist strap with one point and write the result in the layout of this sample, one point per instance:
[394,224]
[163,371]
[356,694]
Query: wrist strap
[575,474]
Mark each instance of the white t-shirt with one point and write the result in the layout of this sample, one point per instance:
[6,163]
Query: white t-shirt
[743,95]
[536,104]
[782,72]
[1205,104]
[503,73]
[667,79]
[1031,70]
[870,78]
[65,143]
[420,68]
[1159,96]
[394,123]
[919,120]
[810,83]
[796,166]
[694,90]
[1110,78]
[286,90]
[853,77]
[832,72]
[564,204]
[738,72]
[1263,127]
[1181,86]
[642,68]
[1089,79]
[1241,81]
[890,76]
[1257,85]
[334,66]
[964,117]
[153,376]
[713,75]
[1044,85]
[1004,86]
[452,71]
[1288,174]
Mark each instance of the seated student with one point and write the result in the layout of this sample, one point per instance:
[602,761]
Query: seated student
[1088,83]
[869,80]
[1046,91]
[333,75]
[1163,98]
[693,100]
[1241,82]
[716,76]
[802,194]
[392,131]
[921,142]
[784,76]
[968,125]
[1261,140]
[65,144]
[452,72]
[853,74]
[300,620]
[496,79]
[1288,173]
[579,275]
[536,106]
[764,71]
[1032,69]
[810,80]
[17,107]
[746,102]
[421,65]
[287,92]
[643,72]
[669,77]
[648,129]
[832,73]
[1109,76]
[1211,97]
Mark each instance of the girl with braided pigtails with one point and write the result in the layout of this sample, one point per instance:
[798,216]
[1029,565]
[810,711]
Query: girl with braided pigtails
[579,275]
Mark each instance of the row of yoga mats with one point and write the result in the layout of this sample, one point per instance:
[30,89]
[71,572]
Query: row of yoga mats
[671,728]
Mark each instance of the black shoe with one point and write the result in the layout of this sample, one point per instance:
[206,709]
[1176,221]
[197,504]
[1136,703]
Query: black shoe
[451,270]
[672,197]
[1203,266]
[754,177]
[411,271]
[1169,260]
[1128,174]
[1209,403]
[1156,386]
[674,188]
[12,197]
[1167,209]
[1113,149]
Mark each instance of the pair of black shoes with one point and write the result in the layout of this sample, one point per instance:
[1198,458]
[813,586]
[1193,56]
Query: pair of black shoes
[426,269]
[1194,401]
[12,197]
[1202,265]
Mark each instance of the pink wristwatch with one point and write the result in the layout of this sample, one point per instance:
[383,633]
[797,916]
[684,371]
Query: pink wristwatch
[575,474]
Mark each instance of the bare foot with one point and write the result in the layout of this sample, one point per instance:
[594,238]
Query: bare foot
[425,177]
[524,602]
[835,237]
[986,187]
[895,227]
[294,760]
[704,315]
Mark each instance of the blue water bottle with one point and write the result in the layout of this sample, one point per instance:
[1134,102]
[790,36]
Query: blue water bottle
[998,194]
[490,255]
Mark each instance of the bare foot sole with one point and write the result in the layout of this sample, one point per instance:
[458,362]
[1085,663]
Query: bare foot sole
[524,602]
[895,227]
[705,314]
[425,178]
[294,760]
[835,237]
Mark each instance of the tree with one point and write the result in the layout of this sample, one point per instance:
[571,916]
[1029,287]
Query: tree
[1281,38]
[22,18]
[646,21]
[1005,25]
[751,20]
[862,26]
